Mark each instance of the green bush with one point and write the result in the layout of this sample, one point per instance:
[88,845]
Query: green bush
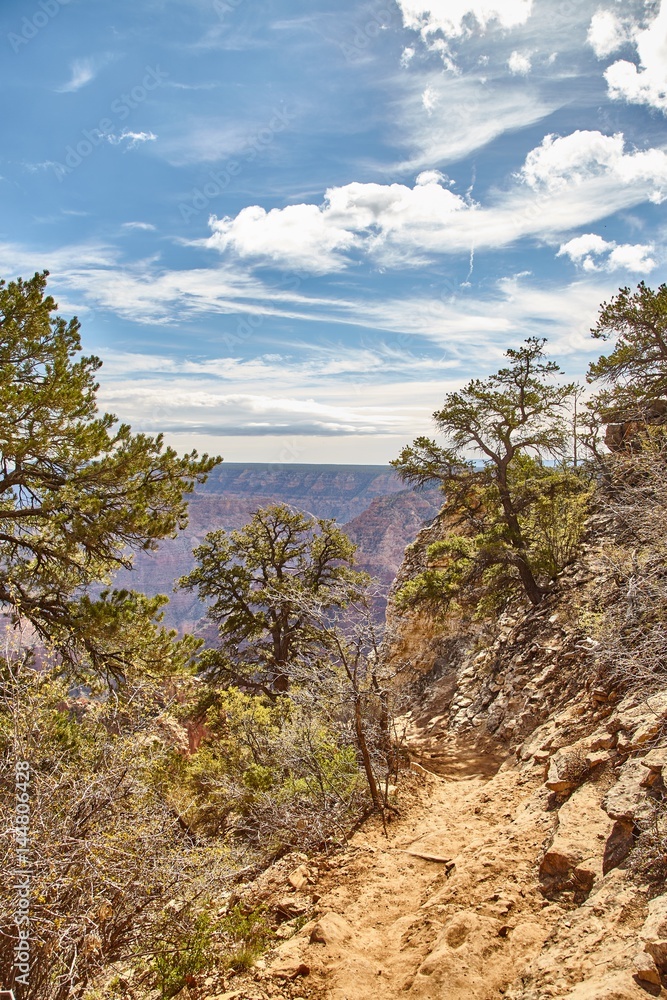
[174,964]
[246,935]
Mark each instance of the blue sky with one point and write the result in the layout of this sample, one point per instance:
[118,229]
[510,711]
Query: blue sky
[289,228]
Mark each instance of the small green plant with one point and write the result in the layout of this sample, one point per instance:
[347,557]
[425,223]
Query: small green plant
[247,934]
[175,962]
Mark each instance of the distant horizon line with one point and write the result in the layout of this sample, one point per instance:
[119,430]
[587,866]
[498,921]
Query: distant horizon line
[302,465]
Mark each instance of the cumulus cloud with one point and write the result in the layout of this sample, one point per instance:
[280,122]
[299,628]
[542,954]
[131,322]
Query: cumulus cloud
[441,23]
[564,162]
[302,236]
[593,253]
[607,33]
[647,82]
[454,18]
[564,182]
[355,216]
[519,64]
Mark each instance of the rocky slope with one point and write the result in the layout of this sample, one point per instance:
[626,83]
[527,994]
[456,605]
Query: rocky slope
[515,867]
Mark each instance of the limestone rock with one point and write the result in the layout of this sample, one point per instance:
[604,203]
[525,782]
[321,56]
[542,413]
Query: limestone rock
[574,858]
[655,760]
[298,879]
[602,741]
[597,758]
[619,844]
[645,969]
[654,932]
[291,906]
[627,799]
[331,929]
[556,779]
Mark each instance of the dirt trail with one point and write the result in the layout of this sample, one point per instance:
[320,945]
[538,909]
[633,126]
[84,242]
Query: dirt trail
[395,921]
[449,906]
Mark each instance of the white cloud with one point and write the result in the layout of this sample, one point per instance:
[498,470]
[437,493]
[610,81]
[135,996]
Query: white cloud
[335,389]
[429,100]
[133,139]
[407,55]
[583,246]
[442,22]
[607,33]
[562,163]
[646,83]
[635,258]
[453,18]
[519,64]
[564,183]
[464,115]
[147,226]
[299,236]
[593,253]
[83,71]
[205,140]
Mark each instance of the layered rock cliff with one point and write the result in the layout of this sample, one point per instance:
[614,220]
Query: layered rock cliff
[371,502]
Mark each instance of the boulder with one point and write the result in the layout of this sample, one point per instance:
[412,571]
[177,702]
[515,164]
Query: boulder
[627,799]
[574,858]
[654,931]
[298,879]
[619,844]
[331,929]
[559,778]
[645,969]
[602,741]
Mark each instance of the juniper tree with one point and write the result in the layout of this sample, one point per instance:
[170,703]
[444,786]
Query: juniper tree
[261,582]
[634,375]
[78,491]
[509,421]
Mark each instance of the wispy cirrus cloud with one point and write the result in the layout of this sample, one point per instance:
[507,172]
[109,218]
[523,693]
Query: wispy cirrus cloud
[82,72]
[130,139]
[443,119]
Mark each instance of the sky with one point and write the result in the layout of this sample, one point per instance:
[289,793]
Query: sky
[290,227]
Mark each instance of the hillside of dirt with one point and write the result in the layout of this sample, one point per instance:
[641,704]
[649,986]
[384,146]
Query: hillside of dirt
[517,864]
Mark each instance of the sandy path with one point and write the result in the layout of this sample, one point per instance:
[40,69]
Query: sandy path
[394,924]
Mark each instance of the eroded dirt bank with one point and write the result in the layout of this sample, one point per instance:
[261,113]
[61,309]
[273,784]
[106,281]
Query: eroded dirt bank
[488,886]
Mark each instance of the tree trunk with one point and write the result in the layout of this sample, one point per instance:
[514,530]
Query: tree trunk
[365,756]
[530,585]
